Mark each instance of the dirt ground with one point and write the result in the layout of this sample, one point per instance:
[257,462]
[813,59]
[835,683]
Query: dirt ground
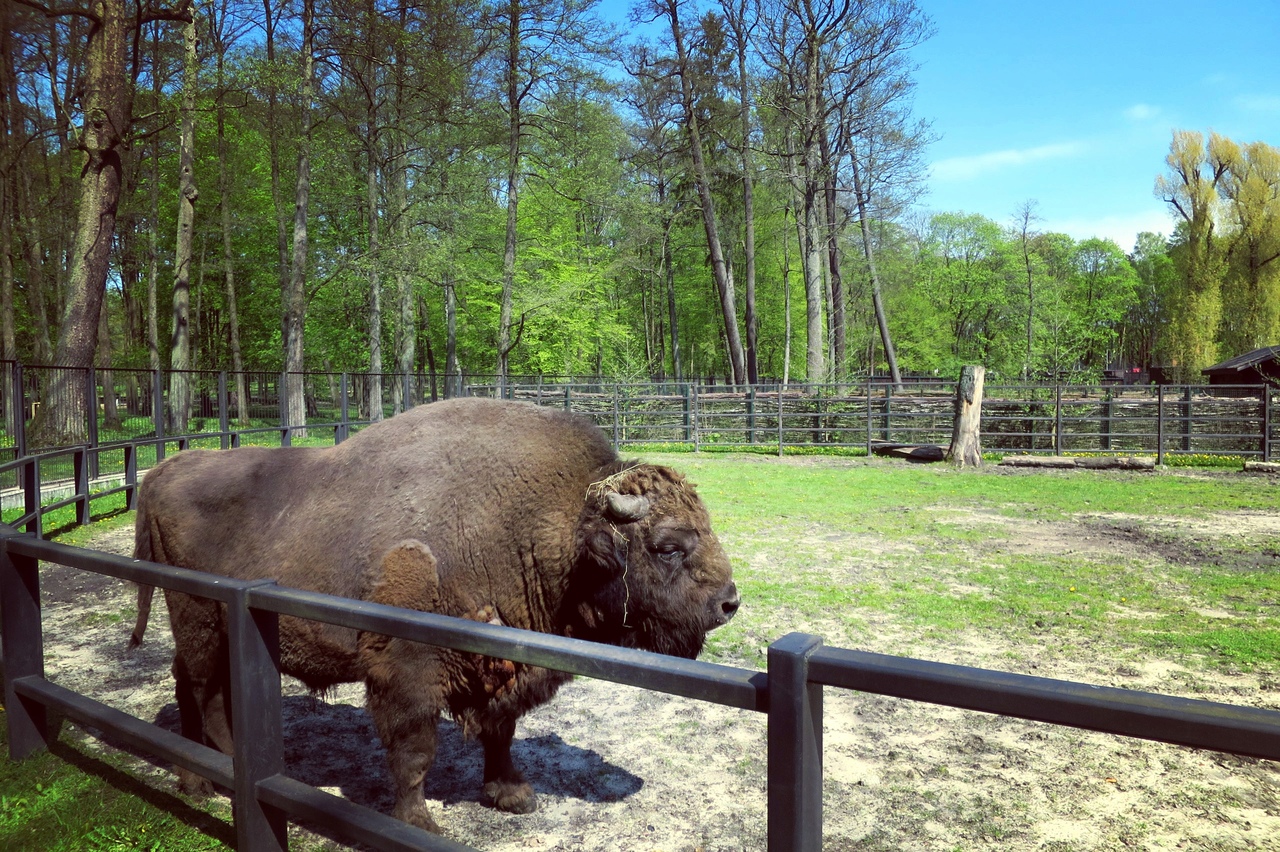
[625,770]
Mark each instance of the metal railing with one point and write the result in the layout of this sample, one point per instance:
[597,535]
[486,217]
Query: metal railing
[789,692]
[1238,420]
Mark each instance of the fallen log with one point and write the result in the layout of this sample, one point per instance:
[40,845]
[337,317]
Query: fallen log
[1038,461]
[1120,462]
[910,452]
[1262,467]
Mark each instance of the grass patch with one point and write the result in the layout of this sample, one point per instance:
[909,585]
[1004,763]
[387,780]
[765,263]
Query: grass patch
[69,799]
[837,545]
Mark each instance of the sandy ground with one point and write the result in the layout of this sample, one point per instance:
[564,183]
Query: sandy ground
[622,769]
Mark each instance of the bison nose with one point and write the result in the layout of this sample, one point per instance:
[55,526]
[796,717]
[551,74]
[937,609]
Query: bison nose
[727,605]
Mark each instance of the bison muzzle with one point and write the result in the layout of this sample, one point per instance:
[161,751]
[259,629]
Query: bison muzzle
[495,511]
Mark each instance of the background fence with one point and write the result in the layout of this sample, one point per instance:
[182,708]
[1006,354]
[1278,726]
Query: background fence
[1238,420]
[789,692]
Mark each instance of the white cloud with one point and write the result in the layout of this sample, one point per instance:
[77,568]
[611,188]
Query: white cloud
[1258,103]
[968,168]
[1142,112]
[1122,228]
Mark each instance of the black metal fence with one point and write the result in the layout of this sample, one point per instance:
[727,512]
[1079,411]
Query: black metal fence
[1058,419]
[789,692]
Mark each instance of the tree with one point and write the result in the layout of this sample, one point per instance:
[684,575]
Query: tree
[295,299]
[735,16]
[180,342]
[1190,188]
[719,266]
[108,110]
[222,34]
[1250,190]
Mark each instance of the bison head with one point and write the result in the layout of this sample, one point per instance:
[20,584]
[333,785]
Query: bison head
[652,573]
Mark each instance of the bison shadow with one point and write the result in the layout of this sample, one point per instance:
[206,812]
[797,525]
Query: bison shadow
[334,746]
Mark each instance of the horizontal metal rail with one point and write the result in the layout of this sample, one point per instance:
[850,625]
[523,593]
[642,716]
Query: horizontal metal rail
[201,759]
[1249,731]
[790,693]
[711,682]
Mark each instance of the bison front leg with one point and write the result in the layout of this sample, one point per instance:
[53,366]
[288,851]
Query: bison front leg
[205,713]
[504,786]
[404,700]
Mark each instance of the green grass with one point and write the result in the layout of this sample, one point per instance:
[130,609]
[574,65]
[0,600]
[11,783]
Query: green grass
[801,536]
[849,549]
[69,799]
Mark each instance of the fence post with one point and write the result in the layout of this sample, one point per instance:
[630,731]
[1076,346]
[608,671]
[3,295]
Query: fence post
[19,411]
[131,476]
[344,410]
[224,421]
[688,423]
[751,414]
[31,497]
[1266,422]
[794,747]
[779,421]
[1108,411]
[617,426]
[1160,424]
[23,645]
[869,439]
[157,412]
[257,729]
[282,398]
[80,474]
[693,418]
[1186,419]
[91,397]
[1057,420]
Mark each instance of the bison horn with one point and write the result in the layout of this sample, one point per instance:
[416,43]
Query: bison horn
[627,507]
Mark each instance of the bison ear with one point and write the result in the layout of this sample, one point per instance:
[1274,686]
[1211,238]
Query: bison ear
[408,578]
[626,508]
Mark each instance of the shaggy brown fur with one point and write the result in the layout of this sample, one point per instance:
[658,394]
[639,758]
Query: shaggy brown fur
[495,511]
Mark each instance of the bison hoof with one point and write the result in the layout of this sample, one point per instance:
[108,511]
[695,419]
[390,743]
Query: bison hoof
[418,815]
[512,798]
[190,784]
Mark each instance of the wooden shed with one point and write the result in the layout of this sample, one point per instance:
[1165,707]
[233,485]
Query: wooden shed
[1259,367]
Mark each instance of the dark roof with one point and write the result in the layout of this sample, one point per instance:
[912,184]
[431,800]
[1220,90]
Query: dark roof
[1247,360]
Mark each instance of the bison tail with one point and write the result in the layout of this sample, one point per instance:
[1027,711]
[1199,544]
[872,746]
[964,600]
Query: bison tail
[145,593]
[142,549]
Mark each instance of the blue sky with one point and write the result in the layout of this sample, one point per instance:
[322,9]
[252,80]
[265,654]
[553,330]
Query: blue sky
[1073,105]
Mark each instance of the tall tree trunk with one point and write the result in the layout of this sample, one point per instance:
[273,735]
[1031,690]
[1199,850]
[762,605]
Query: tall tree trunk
[295,315]
[719,268]
[452,372]
[406,327]
[110,412]
[786,301]
[180,342]
[836,279]
[9,155]
[375,259]
[153,259]
[107,113]
[37,278]
[810,267]
[239,394]
[736,17]
[273,152]
[514,130]
[868,251]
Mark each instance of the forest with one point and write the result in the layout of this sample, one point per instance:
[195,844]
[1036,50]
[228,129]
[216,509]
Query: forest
[725,189]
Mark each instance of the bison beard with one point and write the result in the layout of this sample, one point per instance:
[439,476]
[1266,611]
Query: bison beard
[492,511]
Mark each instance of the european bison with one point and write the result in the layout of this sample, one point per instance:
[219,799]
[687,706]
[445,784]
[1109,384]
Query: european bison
[496,511]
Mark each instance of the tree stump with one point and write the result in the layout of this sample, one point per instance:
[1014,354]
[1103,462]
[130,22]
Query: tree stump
[966,438]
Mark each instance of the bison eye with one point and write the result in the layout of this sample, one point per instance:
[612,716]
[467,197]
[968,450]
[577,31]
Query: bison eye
[673,545]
